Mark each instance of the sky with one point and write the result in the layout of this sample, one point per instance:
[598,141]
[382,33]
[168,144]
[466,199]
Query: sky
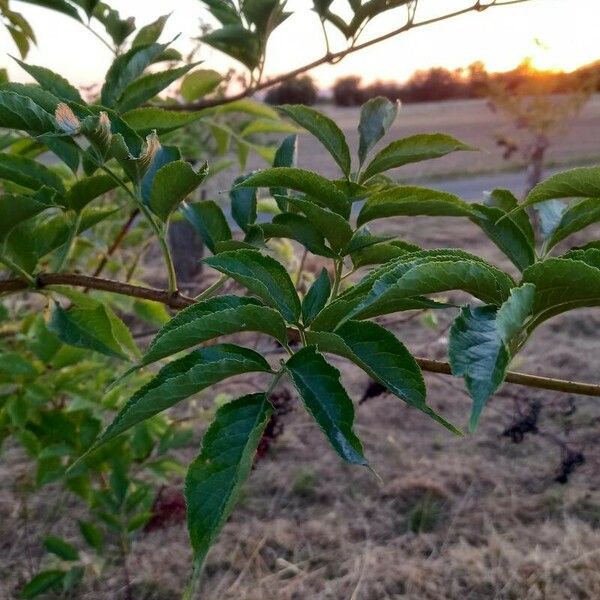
[566,32]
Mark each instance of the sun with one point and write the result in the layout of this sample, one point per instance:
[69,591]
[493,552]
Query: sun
[544,57]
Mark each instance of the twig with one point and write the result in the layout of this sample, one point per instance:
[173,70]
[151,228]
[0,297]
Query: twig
[177,301]
[333,57]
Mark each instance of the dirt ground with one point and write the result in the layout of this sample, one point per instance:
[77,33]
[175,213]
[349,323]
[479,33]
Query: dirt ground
[473,518]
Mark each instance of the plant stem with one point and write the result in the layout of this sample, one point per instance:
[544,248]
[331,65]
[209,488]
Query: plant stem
[179,301]
[211,289]
[337,278]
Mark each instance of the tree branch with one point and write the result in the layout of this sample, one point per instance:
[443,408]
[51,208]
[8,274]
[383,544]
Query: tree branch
[179,301]
[334,57]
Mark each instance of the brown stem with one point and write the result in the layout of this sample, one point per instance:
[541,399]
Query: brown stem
[117,241]
[334,57]
[178,301]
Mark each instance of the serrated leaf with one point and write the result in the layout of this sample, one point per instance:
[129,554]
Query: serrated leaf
[125,69]
[243,204]
[172,184]
[480,344]
[61,548]
[410,201]
[91,325]
[380,354]
[57,5]
[151,118]
[148,86]
[209,221]
[575,218]
[199,84]
[215,477]
[297,227]
[312,184]
[151,32]
[20,112]
[28,173]
[318,384]
[332,226]
[263,276]
[412,149]
[53,83]
[83,191]
[564,284]
[182,378]
[376,117]
[505,200]
[583,182]
[416,276]
[15,209]
[236,41]
[380,253]
[324,129]
[213,318]
[316,297]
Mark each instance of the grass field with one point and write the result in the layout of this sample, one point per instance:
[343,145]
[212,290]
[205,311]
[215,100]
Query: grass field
[474,518]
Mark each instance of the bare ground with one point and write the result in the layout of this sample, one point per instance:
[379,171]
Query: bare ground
[473,518]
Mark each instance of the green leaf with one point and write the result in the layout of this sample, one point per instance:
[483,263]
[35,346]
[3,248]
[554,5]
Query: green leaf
[147,87]
[183,378]
[92,534]
[215,477]
[57,5]
[564,284]
[243,204]
[151,118]
[297,227]
[15,209]
[322,190]
[213,318]
[480,345]
[319,387]
[285,156]
[61,548]
[316,297]
[331,225]
[125,69]
[380,354]
[575,218]
[20,112]
[172,184]
[324,129]
[376,117]
[53,83]
[28,173]
[432,272]
[209,221]
[224,11]
[506,234]
[583,182]
[12,363]
[42,582]
[377,254]
[412,149]
[407,200]
[263,276]
[118,29]
[91,325]
[83,191]
[236,41]
[151,32]
[199,84]
[506,201]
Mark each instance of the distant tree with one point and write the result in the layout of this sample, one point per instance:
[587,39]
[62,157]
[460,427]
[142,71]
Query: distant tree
[300,90]
[347,91]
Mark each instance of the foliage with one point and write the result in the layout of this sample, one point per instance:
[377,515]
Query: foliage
[80,397]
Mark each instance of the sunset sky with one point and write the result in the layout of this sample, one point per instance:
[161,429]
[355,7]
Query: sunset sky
[501,37]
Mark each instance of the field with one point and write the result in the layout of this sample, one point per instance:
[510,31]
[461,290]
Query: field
[474,518]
